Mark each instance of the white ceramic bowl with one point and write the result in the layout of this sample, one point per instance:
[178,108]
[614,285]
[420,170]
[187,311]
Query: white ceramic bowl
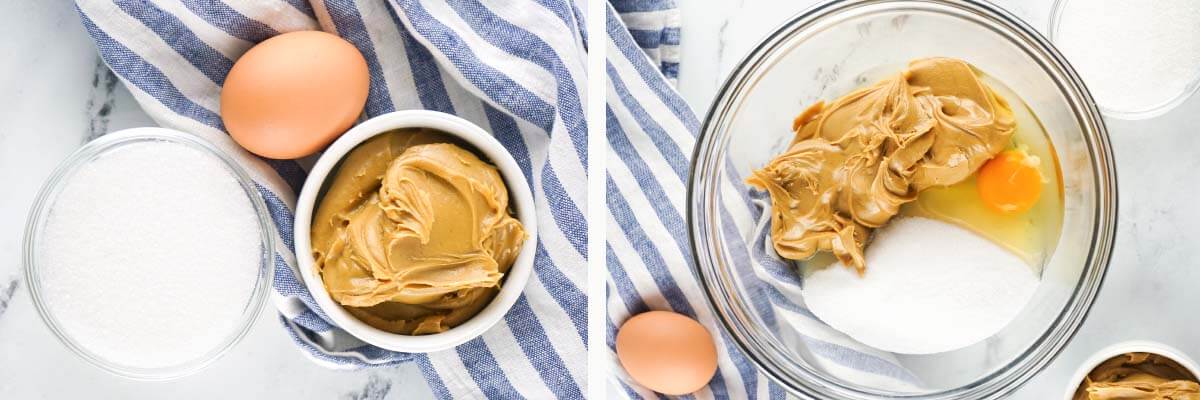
[520,197]
[1134,346]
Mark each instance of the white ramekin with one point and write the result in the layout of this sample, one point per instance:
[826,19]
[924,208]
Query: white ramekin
[520,197]
[1133,346]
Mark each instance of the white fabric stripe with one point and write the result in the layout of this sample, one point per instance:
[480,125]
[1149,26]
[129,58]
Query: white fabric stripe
[145,43]
[470,108]
[277,14]
[650,20]
[678,269]
[390,50]
[504,347]
[458,381]
[324,21]
[654,106]
[668,53]
[524,73]
[569,168]
[224,43]
[614,305]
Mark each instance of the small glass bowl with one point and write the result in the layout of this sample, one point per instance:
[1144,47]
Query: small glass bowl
[46,199]
[830,50]
[1146,111]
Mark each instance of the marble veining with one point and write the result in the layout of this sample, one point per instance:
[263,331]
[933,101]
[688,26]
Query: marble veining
[101,100]
[376,388]
[6,293]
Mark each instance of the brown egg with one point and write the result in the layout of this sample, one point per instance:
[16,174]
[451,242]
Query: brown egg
[667,352]
[293,94]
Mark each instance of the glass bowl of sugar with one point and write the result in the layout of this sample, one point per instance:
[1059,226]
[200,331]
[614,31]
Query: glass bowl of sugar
[779,311]
[149,253]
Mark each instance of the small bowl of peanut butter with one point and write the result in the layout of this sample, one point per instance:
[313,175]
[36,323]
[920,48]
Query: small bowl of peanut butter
[415,231]
[1136,370]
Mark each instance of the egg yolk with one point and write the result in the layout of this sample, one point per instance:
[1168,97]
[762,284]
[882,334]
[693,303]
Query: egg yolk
[1010,183]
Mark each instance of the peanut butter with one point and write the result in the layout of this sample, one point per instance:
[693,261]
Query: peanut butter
[855,161]
[414,234]
[1139,376]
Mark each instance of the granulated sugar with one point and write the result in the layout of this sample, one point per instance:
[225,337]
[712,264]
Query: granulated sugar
[930,287]
[150,254]
[1133,55]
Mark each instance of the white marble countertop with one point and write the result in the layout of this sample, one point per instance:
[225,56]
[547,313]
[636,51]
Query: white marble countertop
[57,96]
[1150,290]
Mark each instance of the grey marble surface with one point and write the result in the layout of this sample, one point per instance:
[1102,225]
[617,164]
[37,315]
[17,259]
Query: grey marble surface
[1150,291]
[57,96]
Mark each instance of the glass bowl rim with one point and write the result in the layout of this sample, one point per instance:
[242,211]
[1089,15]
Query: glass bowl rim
[48,194]
[729,309]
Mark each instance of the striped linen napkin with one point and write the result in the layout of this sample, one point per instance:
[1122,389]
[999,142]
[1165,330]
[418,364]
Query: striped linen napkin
[651,133]
[514,67]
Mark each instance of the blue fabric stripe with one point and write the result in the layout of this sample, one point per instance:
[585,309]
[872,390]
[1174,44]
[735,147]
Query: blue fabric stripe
[670,150]
[739,255]
[669,69]
[225,18]
[350,26]
[652,39]
[505,128]
[625,6]
[567,216]
[536,345]
[303,6]
[650,75]
[486,372]
[171,30]
[560,9]
[572,300]
[290,171]
[437,386]
[491,82]
[281,216]
[288,284]
[312,322]
[147,77]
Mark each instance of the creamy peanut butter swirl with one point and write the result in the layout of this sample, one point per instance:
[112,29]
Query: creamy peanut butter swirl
[1139,376]
[414,234]
[855,161]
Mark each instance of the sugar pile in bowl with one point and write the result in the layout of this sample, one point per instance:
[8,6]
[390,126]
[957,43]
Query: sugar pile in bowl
[150,255]
[930,287]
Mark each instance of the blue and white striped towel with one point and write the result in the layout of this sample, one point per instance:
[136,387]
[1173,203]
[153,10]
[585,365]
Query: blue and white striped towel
[651,132]
[514,67]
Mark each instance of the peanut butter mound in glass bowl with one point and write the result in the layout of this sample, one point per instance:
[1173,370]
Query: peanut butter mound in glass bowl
[855,161]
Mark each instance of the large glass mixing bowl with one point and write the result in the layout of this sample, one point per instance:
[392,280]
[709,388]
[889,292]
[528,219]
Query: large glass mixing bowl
[823,53]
